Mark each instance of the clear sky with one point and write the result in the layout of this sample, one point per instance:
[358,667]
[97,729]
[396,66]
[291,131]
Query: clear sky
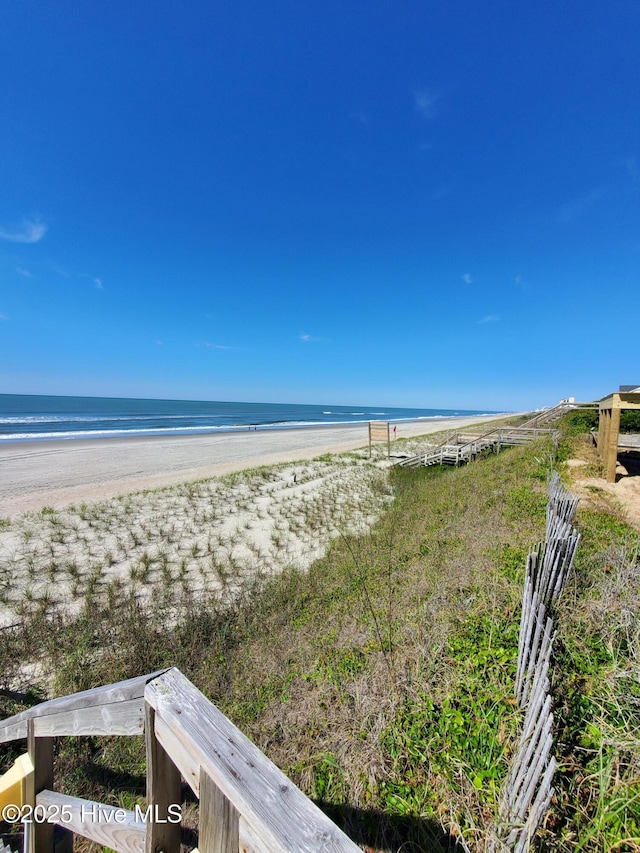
[394,202]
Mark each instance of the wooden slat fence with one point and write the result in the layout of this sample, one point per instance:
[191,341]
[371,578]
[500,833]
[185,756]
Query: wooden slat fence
[527,791]
[246,803]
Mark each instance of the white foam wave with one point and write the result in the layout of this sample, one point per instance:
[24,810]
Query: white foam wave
[55,419]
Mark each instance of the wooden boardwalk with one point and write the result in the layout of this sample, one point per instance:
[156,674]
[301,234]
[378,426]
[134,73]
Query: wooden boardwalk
[461,447]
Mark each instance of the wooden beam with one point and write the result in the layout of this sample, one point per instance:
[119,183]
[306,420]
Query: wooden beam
[599,433]
[40,834]
[630,402]
[603,421]
[110,826]
[14,728]
[250,841]
[203,739]
[219,824]
[606,429]
[163,790]
[118,718]
[620,400]
[186,763]
[612,446]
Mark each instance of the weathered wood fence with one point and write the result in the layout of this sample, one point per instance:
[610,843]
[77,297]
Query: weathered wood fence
[246,803]
[527,792]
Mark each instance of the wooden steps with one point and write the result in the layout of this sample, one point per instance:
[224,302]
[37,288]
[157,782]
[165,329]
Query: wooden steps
[464,447]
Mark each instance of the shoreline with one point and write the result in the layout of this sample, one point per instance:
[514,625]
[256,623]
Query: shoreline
[190,431]
[56,473]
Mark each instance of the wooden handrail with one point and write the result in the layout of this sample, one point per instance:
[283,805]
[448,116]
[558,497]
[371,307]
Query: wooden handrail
[107,710]
[246,802]
[204,744]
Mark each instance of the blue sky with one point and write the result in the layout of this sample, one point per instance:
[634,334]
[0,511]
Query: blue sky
[416,203]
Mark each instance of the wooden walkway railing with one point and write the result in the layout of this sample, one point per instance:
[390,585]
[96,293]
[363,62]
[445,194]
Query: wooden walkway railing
[463,447]
[556,412]
[246,802]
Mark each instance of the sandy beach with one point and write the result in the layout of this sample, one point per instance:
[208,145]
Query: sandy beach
[56,473]
[86,521]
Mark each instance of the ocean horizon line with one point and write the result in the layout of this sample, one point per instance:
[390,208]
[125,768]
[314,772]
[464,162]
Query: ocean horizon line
[33,417]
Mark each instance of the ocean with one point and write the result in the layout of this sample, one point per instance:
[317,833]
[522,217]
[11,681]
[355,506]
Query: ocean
[35,417]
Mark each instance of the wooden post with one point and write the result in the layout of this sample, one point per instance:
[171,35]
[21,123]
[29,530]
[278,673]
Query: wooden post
[612,444]
[602,432]
[163,790]
[39,836]
[219,821]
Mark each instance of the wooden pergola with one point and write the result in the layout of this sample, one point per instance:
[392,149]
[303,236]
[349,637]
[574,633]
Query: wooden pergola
[609,427]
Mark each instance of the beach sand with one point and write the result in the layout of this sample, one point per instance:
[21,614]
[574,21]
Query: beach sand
[87,521]
[56,473]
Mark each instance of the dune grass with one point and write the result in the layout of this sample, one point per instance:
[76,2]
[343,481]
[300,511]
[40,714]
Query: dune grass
[380,678]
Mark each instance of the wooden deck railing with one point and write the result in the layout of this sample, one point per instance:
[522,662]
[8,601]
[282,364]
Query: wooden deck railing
[246,802]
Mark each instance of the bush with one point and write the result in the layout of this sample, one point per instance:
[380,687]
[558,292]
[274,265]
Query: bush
[629,421]
[584,420]
[580,420]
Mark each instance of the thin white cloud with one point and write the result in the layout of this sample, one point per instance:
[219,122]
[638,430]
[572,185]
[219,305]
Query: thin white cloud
[577,207]
[425,101]
[489,318]
[211,345]
[31,231]
[160,343]
[467,278]
[24,272]
[95,281]
[521,282]
[311,339]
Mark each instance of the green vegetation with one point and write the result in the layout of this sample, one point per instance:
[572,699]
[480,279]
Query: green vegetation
[381,679]
[580,420]
[584,420]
